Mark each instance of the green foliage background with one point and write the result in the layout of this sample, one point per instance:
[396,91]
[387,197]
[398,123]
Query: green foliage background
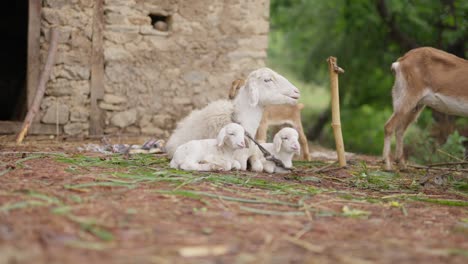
[366,36]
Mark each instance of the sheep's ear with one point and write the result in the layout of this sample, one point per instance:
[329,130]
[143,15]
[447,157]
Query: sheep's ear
[235,86]
[252,89]
[221,136]
[277,141]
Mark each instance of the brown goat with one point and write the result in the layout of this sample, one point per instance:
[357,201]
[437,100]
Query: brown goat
[424,76]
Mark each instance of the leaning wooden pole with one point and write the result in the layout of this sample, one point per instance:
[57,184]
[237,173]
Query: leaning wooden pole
[336,122]
[34,107]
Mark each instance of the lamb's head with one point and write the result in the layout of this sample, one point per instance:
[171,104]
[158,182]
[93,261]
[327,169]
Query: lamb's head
[286,140]
[266,87]
[231,135]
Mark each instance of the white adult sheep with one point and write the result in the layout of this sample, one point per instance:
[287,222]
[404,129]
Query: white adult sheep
[285,145]
[263,87]
[211,154]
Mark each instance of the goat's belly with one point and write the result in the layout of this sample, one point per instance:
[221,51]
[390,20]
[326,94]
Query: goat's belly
[446,104]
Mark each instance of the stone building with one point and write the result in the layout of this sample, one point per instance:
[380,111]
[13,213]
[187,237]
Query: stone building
[126,66]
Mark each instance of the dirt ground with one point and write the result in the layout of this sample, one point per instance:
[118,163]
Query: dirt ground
[58,205]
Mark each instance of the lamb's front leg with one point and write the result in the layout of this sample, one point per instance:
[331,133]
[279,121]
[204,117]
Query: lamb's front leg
[236,165]
[256,163]
[241,156]
[218,163]
[268,166]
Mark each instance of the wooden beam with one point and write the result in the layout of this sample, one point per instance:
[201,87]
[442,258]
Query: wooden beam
[12,127]
[34,48]
[97,70]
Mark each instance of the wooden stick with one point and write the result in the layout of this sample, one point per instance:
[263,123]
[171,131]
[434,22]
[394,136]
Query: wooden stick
[96,118]
[34,108]
[336,123]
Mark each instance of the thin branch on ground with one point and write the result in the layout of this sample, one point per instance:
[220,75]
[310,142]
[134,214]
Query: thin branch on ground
[304,244]
[437,168]
[448,164]
[270,212]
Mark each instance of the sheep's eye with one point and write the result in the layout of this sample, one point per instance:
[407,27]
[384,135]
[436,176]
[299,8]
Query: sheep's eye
[268,80]
[231,133]
[284,138]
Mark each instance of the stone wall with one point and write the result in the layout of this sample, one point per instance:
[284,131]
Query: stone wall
[163,58]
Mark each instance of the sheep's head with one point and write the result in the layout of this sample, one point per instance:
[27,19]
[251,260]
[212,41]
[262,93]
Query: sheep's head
[231,135]
[266,87]
[286,140]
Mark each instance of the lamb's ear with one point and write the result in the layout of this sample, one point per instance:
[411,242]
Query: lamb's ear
[277,141]
[221,136]
[252,89]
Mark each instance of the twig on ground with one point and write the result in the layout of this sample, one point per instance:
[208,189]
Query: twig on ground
[270,212]
[447,164]
[31,152]
[229,198]
[303,231]
[304,244]
[321,169]
[437,168]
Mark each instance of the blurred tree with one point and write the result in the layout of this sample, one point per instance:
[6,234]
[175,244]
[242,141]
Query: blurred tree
[366,36]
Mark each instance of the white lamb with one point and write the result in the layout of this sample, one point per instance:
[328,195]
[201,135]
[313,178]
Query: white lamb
[263,87]
[211,154]
[285,145]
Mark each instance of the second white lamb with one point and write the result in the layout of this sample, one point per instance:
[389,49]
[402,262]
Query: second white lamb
[285,145]
[211,154]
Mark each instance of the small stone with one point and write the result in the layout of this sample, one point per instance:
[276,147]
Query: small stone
[124,119]
[79,114]
[149,30]
[75,128]
[182,101]
[161,26]
[114,99]
[111,107]
[132,130]
[116,54]
[63,87]
[111,130]
[145,120]
[154,131]
[162,120]
[56,113]
[139,20]
[120,38]
[123,28]
[71,72]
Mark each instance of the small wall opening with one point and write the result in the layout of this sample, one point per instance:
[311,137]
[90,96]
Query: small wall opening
[160,22]
[13,60]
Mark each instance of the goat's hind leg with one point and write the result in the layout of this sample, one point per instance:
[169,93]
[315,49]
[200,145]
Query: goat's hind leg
[393,122]
[400,132]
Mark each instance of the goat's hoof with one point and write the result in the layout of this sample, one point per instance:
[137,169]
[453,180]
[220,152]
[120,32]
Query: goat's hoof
[388,167]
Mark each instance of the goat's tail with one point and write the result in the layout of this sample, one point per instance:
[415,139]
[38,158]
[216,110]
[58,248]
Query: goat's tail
[395,67]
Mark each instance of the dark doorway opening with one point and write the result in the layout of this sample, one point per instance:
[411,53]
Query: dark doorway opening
[13,60]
